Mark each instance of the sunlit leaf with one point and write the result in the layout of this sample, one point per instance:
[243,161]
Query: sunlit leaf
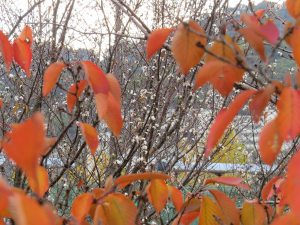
[140,176]
[255,42]
[95,77]
[81,206]
[122,211]
[229,212]
[176,197]
[208,210]
[260,101]
[40,184]
[75,89]
[25,143]
[97,193]
[102,213]
[156,40]
[26,35]
[185,46]
[230,181]
[51,76]
[267,188]
[113,117]
[270,142]
[114,87]
[158,191]
[22,55]
[253,214]
[224,119]
[6,50]
[185,219]
[90,136]
[293,8]
[288,120]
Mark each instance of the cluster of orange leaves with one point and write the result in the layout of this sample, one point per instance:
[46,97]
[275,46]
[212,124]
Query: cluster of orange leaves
[188,47]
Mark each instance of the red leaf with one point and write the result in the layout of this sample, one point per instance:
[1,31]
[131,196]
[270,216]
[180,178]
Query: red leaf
[288,80]
[158,191]
[184,46]
[77,89]
[51,76]
[22,55]
[101,101]
[109,181]
[113,117]
[260,101]
[291,192]
[140,176]
[90,136]
[5,194]
[227,207]
[297,78]
[293,8]
[48,143]
[80,183]
[95,77]
[40,184]
[289,218]
[176,197]
[122,185]
[26,35]
[267,188]
[230,181]
[270,142]
[191,205]
[185,219]
[81,206]
[207,210]
[271,31]
[253,214]
[156,40]
[224,118]
[255,42]
[25,142]
[288,120]
[6,50]
[114,87]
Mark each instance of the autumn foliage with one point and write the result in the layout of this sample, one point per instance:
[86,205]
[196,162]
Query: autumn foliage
[26,143]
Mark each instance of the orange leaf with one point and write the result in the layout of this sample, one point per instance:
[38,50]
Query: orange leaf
[22,55]
[230,181]
[25,143]
[101,101]
[156,40]
[114,87]
[48,142]
[267,188]
[40,184]
[230,213]
[140,176]
[208,209]
[113,117]
[253,214]
[95,77]
[81,206]
[293,8]
[260,101]
[97,193]
[122,211]
[185,219]
[6,50]
[25,210]
[255,42]
[80,183]
[76,89]
[90,136]
[288,80]
[224,118]
[102,214]
[158,191]
[26,35]
[176,197]
[109,181]
[297,78]
[51,76]
[288,120]
[270,142]
[291,192]
[184,46]
[191,205]
[289,218]
[5,193]
[122,185]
